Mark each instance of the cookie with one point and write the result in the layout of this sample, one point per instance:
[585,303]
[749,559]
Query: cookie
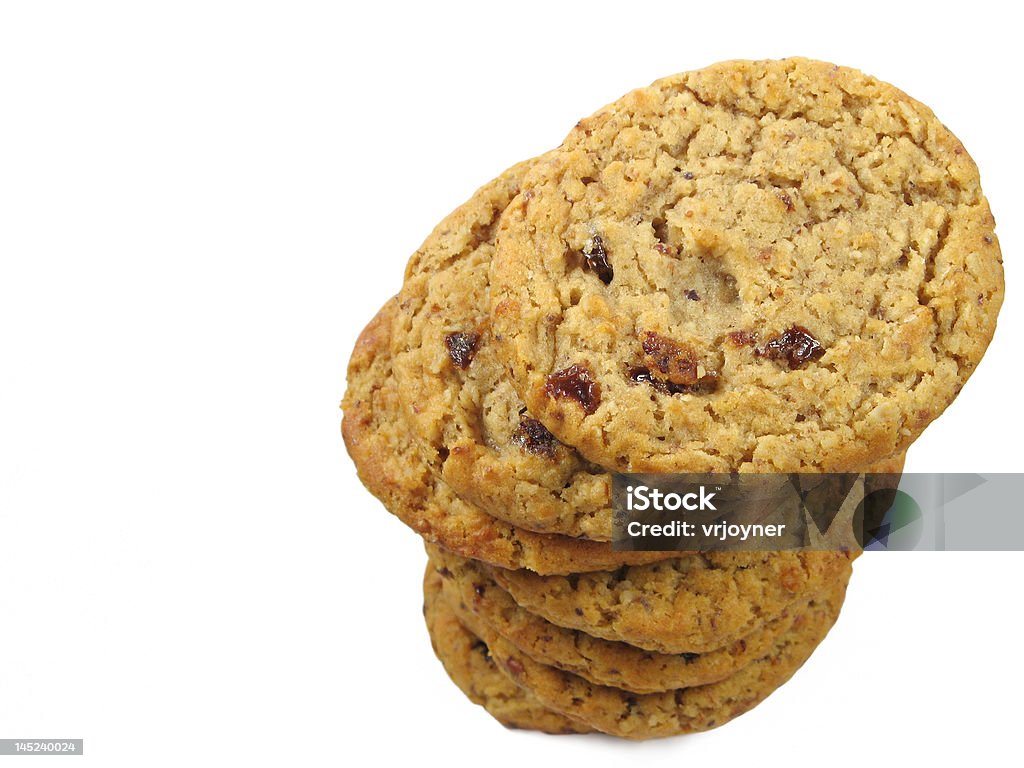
[469,664]
[759,266]
[691,604]
[458,399]
[673,712]
[394,470]
[468,586]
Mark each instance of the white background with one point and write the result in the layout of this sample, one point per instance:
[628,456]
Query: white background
[201,204]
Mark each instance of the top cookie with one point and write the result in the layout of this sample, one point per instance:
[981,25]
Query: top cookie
[767,266]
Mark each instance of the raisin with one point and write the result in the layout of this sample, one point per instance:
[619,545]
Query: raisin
[688,175]
[533,437]
[639,374]
[692,295]
[514,667]
[791,579]
[462,347]
[787,201]
[595,258]
[480,590]
[796,345]
[575,383]
[618,575]
[481,647]
[675,362]
[741,338]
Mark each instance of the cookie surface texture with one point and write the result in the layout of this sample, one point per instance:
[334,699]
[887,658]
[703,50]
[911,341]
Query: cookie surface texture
[770,266]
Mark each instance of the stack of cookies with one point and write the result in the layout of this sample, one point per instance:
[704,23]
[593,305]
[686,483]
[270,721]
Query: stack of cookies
[780,266]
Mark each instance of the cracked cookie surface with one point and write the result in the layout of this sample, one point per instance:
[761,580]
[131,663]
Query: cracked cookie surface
[768,266]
